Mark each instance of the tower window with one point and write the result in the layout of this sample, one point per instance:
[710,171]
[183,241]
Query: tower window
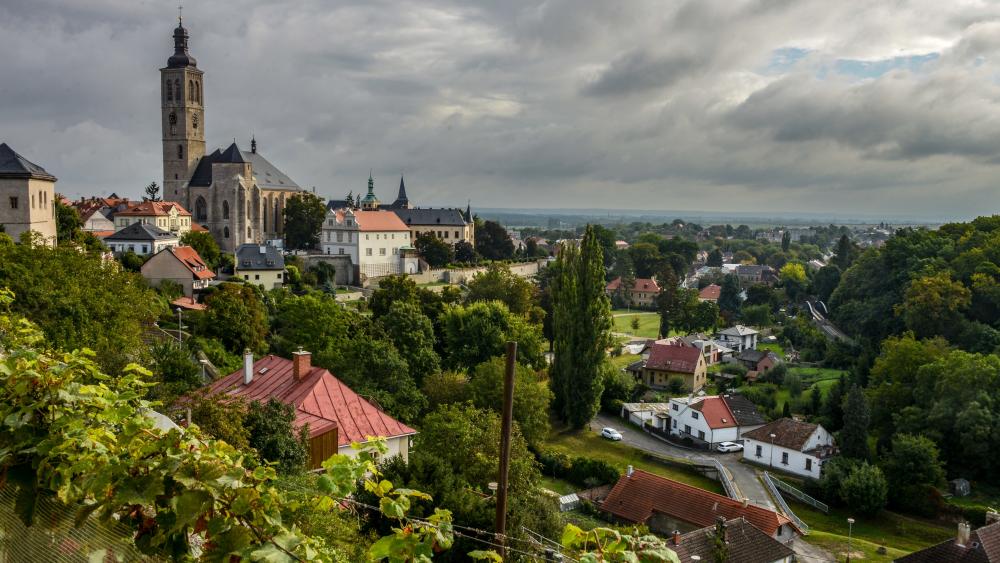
[197,92]
[225,232]
[13,203]
[194,121]
[190,91]
[180,152]
[172,120]
[170,91]
[225,210]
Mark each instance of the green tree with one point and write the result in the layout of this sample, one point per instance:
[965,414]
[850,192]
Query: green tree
[706,316]
[893,379]
[646,259]
[68,221]
[669,303]
[864,490]
[911,468]
[412,333]
[204,244]
[392,289]
[174,371]
[304,215]
[236,317]
[477,332]
[794,385]
[498,283]
[435,251]
[466,253]
[933,305]
[375,369]
[272,433]
[581,328]
[531,396]
[714,258]
[315,322]
[786,240]
[152,192]
[493,241]
[131,262]
[729,294]
[826,280]
[757,315]
[793,279]
[446,387]
[853,437]
[845,253]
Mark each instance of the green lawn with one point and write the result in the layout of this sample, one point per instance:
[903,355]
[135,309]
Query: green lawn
[813,375]
[649,323]
[590,444]
[773,347]
[899,534]
[558,485]
[624,360]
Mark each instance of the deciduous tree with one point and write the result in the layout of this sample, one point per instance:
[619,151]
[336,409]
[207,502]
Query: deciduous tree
[853,439]
[531,396]
[204,244]
[304,216]
[435,251]
[498,283]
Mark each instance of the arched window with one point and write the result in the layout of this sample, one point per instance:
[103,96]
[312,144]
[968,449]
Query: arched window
[180,152]
[225,210]
[248,232]
[177,90]
[170,91]
[190,90]
[225,232]
[264,214]
[277,216]
[200,210]
[172,120]
[197,92]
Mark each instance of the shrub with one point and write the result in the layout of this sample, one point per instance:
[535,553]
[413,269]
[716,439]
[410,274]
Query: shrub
[865,489]
[675,385]
[581,471]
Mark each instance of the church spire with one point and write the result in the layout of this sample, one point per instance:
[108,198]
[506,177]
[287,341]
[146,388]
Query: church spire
[370,202]
[181,57]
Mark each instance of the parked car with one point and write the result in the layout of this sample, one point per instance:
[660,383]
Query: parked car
[611,434]
[726,447]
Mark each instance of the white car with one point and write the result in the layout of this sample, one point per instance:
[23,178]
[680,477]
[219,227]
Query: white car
[611,434]
[726,447]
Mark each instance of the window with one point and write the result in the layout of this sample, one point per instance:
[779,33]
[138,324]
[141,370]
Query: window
[784,458]
[190,90]
[675,424]
[446,234]
[368,237]
[395,250]
[456,234]
[673,406]
[246,276]
[694,415]
[170,91]
[341,251]
[144,247]
[225,210]
[381,251]
[809,464]
[340,237]
[687,429]
[225,232]
[256,276]
[368,252]
[180,152]
[32,201]
[760,451]
[701,434]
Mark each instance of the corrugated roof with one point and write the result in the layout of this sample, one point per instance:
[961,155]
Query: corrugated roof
[13,165]
[744,411]
[320,399]
[636,498]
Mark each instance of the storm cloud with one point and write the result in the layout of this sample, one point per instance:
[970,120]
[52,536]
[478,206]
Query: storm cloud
[745,105]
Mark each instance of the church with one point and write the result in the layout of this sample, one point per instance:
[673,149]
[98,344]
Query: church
[238,195]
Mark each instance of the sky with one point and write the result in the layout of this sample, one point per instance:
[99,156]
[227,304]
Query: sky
[733,105]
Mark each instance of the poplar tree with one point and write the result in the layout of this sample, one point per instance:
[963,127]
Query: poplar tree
[854,436]
[581,330]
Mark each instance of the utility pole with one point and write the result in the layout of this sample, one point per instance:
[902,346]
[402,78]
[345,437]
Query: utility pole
[507,415]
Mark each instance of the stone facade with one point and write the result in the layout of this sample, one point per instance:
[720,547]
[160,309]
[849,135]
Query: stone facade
[237,195]
[27,197]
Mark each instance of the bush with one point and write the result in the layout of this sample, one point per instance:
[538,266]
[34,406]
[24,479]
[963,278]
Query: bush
[776,374]
[865,489]
[675,385]
[581,471]
[794,384]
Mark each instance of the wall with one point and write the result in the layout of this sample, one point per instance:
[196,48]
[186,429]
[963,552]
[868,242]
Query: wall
[164,266]
[31,214]
[796,459]
[344,269]
[463,275]
[270,279]
[397,446]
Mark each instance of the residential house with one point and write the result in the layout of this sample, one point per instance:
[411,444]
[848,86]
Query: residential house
[744,544]
[672,361]
[376,241]
[652,414]
[642,293]
[167,215]
[968,546]
[713,351]
[621,245]
[739,338]
[335,415]
[709,421]
[753,274]
[666,505]
[98,220]
[27,197]
[260,265]
[141,239]
[789,445]
[180,264]
[710,293]
[757,362]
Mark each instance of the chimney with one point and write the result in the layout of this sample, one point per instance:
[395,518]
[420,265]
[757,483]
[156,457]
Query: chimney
[628,471]
[247,366]
[963,534]
[677,537]
[301,364]
[746,501]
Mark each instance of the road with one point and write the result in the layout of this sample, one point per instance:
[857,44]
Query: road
[741,474]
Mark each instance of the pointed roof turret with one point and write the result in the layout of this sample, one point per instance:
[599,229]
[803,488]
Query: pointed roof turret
[468,212]
[181,57]
[370,202]
[402,202]
[231,155]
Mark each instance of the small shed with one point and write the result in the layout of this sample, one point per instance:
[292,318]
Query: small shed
[959,487]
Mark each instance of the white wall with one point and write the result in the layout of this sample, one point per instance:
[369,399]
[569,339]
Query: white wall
[796,459]
[685,415]
[397,446]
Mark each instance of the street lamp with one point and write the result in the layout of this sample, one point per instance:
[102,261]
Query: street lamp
[773,436]
[850,533]
[203,363]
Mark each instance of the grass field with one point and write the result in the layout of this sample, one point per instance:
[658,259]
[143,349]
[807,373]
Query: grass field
[773,347]
[558,485]
[813,375]
[649,322]
[589,444]
[624,360]
[899,534]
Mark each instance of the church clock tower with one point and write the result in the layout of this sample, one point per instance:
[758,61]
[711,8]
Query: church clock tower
[183,118]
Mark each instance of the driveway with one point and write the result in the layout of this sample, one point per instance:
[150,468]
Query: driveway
[742,475]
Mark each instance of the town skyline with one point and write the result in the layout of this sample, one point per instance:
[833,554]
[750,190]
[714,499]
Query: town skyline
[514,107]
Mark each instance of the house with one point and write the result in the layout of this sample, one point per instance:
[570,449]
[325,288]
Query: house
[710,293]
[98,219]
[666,505]
[642,293]
[446,223]
[653,414]
[335,415]
[376,241]
[670,361]
[709,421]
[744,544]
[711,349]
[969,546]
[260,265]
[758,361]
[739,338]
[796,447]
[141,239]
[753,274]
[180,264]
[621,245]
[27,197]
[167,215]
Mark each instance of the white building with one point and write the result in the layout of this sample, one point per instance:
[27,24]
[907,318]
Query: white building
[739,338]
[142,239]
[711,420]
[376,241]
[791,446]
[260,265]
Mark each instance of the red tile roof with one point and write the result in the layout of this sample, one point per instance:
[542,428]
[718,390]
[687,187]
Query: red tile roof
[710,292]
[192,261]
[198,228]
[636,498]
[157,208]
[614,284]
[641,285]
[188,303]
[321,400]
[376,220]
[670,357]
[716,412]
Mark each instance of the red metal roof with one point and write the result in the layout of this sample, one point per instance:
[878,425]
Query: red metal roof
[716,412]
[636,498]
[670,357]
[321,400]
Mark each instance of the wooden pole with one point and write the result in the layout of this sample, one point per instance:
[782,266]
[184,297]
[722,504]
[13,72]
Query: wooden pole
[507,415]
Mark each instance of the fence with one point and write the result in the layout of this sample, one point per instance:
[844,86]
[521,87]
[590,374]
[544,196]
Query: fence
[784,506]
[800,496]
[727,483]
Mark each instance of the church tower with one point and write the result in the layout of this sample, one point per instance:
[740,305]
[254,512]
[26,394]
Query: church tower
[183,118]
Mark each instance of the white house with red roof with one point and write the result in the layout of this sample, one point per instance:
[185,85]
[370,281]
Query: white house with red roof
[180,264]
[167,215]
[714,419]
[335,414]
[376,241]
